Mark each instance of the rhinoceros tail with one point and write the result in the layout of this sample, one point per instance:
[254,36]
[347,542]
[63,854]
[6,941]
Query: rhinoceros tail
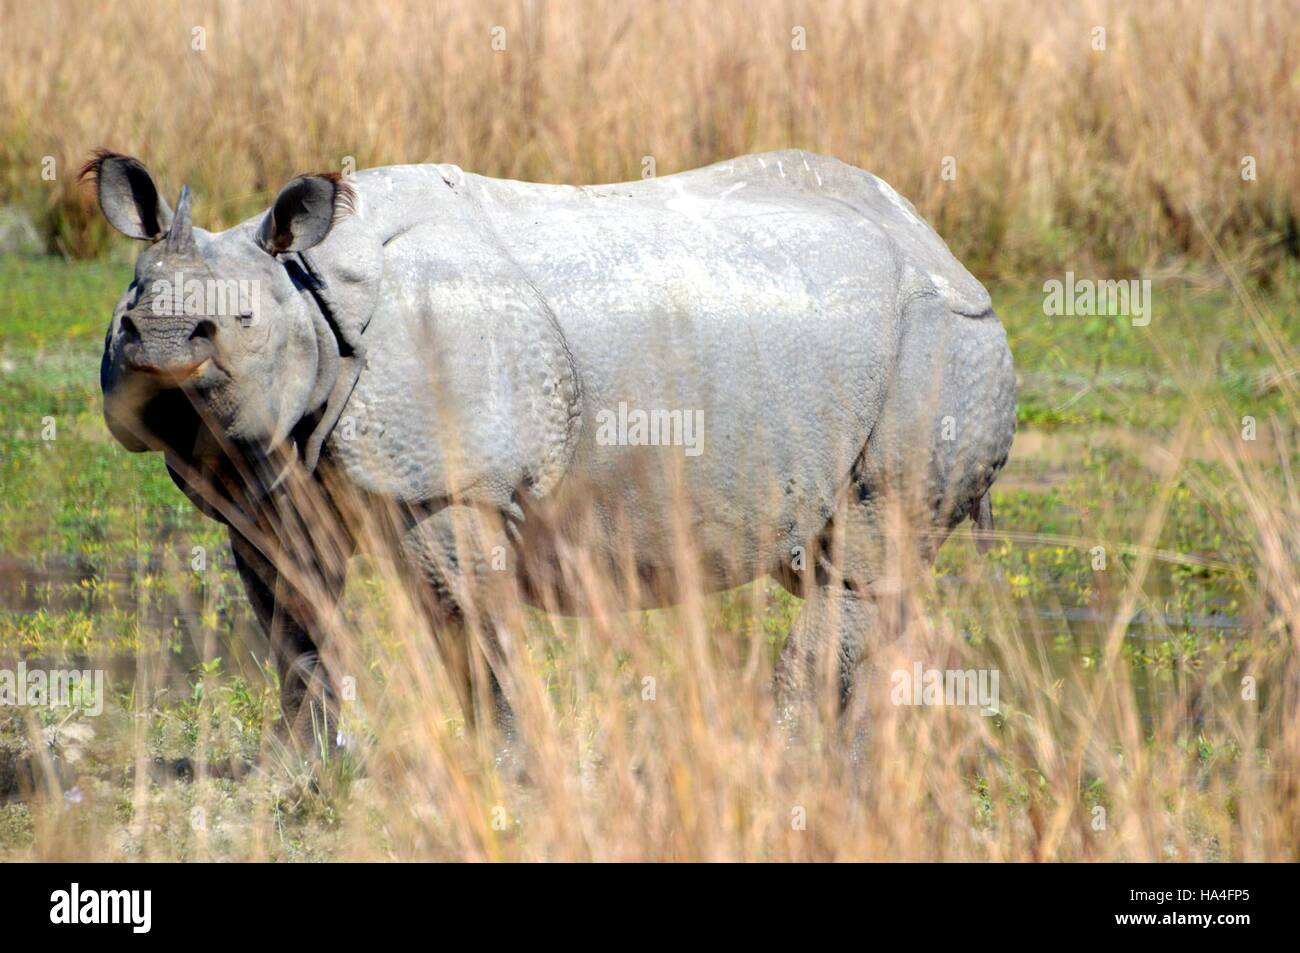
[982,517]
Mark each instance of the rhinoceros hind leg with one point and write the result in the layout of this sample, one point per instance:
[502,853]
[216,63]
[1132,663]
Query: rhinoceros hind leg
[823,655]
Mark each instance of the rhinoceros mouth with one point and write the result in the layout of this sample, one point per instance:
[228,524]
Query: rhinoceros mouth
[144,417]
[173,374]
[199,375]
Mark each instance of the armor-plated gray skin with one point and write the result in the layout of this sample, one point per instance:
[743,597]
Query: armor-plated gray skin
[836,353]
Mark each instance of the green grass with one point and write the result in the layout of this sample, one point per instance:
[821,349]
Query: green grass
[1097,370]
[96,543]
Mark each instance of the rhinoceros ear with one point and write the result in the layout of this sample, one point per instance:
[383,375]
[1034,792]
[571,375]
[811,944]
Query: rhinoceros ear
[127,195]
[304,212]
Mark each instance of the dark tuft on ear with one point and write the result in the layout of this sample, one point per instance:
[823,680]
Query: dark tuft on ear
[88,174]
[345,196]
[127,194]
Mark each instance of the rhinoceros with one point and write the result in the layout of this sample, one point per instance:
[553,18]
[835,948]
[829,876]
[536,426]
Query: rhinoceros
[695,380]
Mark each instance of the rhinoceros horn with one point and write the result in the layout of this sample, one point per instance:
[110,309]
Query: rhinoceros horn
[180,237]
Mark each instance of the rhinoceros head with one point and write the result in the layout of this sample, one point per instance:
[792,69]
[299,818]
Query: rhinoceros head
[215,339]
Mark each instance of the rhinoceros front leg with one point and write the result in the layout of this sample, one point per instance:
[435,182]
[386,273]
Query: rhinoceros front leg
[292,624]
[461,561]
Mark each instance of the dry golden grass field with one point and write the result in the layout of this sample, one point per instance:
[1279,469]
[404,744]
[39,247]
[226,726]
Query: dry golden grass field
[1060,149]
[1149,699]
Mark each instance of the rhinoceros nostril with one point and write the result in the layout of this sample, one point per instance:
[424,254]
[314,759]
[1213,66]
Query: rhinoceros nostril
[205,329]
[129,330]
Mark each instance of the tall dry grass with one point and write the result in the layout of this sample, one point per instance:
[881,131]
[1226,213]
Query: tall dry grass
[1074,768]
[1062,152]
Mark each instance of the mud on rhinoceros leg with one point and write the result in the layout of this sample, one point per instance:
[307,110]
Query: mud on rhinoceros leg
[292,621]
[461,562]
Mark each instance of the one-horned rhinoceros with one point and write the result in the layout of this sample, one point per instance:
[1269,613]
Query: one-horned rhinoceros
[694,380]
